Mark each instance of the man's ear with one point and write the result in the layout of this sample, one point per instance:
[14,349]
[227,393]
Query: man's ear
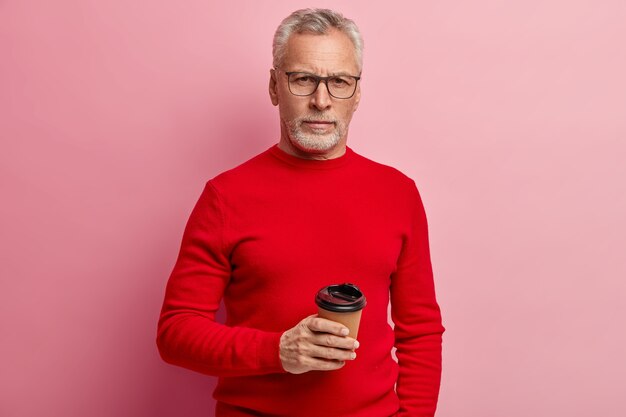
[357,99]
[273,87]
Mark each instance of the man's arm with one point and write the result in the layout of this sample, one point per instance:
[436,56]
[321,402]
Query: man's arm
[188,335]
[417,320]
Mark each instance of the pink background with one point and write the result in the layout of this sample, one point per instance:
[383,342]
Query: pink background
[510,116]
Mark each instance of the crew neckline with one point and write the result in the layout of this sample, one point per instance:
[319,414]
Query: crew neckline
[312,163]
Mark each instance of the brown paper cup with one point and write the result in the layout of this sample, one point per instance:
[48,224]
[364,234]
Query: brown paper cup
[350,320]
[342,303]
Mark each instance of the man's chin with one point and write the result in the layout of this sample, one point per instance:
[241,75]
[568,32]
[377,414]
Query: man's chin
[314,146]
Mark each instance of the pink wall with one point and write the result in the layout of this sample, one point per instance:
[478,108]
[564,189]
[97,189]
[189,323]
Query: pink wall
[511,119]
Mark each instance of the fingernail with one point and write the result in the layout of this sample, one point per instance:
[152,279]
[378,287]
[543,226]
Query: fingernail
[356,344]
[353,355]
[345,331]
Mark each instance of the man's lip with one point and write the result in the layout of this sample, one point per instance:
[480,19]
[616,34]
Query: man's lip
[319,124]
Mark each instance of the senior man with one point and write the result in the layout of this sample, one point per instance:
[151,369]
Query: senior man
[308,212]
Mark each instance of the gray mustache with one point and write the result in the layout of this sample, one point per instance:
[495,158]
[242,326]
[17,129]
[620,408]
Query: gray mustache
[320,117]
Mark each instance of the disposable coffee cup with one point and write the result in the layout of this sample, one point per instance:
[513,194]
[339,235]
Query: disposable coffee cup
[342,303]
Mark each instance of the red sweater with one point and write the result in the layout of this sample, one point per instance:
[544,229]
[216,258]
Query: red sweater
[265,237]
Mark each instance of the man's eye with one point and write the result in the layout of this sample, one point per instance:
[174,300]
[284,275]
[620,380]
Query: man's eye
[340,82]
[304,79]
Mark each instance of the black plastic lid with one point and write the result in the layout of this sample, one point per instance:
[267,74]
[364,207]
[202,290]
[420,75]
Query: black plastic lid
[343,298]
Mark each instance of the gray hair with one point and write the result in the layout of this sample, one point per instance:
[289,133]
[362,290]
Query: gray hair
[317,21]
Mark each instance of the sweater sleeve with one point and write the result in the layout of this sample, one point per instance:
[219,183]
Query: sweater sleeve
[188,334]
[417,318]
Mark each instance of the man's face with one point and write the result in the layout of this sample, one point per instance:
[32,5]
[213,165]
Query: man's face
[315,125]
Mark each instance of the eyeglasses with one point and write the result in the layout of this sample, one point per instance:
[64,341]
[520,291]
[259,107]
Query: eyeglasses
[305,84]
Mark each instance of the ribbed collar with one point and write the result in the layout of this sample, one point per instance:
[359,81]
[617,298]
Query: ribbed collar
[312,163]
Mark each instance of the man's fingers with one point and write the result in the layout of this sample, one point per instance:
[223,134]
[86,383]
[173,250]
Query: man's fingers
[318,324]
[327,339]
[316,344]
[317,347]
[330,333]
[330,353]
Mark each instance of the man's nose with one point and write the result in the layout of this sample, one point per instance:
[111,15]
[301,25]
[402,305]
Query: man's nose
[321,98]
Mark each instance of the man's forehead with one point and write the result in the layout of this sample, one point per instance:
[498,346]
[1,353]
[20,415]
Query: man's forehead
[332,53]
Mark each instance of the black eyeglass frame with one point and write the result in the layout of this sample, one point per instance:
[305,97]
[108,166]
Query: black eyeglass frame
[319,79]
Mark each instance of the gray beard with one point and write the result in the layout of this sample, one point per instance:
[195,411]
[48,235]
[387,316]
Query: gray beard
[313,141]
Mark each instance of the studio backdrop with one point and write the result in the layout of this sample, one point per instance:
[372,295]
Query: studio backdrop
[509,115]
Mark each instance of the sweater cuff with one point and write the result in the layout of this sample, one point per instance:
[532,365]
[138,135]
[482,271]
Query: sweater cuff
[268,353]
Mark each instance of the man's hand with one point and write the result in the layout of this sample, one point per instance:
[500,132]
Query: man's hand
[316,344]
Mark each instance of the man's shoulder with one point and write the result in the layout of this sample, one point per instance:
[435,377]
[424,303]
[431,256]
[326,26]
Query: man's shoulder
[383,172]
[243,172]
